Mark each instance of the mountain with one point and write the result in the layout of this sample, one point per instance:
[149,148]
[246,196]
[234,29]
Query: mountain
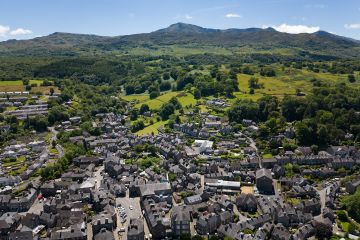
[187,37]
[185,28]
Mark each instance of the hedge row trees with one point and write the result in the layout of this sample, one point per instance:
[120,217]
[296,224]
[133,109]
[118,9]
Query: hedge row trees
[137,126]
[244,109]
[169,108]
[267,72]
[57,114]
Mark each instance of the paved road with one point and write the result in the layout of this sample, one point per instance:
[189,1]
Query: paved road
[98,177]
[126,202]
[322,195]
[37,207]
[253,145]
[60,150]
[54,138]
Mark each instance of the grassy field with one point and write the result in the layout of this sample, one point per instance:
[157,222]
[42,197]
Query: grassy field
[152,128]
[178,51]
[286,82]
[18,86]
[186,99]
[11,83]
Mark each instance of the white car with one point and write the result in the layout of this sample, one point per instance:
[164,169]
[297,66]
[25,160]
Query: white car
[131,207]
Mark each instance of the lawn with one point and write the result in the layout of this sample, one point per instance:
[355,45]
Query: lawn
[345,226]
[11,83]
[53,150]
[267,156]
[34,81]
[9,163]
[152,128]
[187,100]
[18,171]
[293,201]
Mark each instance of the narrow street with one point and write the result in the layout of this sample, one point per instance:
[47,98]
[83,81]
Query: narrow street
[253,145]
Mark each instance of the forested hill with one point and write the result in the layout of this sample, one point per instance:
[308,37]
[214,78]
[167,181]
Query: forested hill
[187,38]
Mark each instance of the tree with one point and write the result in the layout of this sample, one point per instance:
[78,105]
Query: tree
[25,82]
[268,72]
[267,105]
[306,132]
[166,76]
[144,108]
[351,78]
[323,231]
[39,123]
[174,74]
[165,86]
[154,94]
[185,237]
[133,114]
[247,70]
[137,126]
[197,237]
[197,93]
[254,83]
[166,110]
[57,114]
[174,101]
[129,89]
[245,109]
[352,205]
[341,214]
[293,108]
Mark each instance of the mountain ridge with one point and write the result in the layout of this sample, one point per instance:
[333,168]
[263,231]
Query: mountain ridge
[185,35]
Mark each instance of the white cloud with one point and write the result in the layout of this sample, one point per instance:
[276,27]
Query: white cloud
[20,31]
[4,30]
[182,17]
[295,29]
[188,17]
[7,32]
[232,15]
[352,26]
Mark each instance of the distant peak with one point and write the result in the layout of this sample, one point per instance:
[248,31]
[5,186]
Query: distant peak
[186,28]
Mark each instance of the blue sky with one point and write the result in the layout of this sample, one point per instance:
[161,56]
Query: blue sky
[27,19]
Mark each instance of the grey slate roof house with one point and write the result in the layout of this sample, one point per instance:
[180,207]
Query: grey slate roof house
[246,202]
[180,220]
[135,229]
[264,181]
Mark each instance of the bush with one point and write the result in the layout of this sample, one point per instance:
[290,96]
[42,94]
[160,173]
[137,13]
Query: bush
[352,204]
[154,94]
[342,216]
